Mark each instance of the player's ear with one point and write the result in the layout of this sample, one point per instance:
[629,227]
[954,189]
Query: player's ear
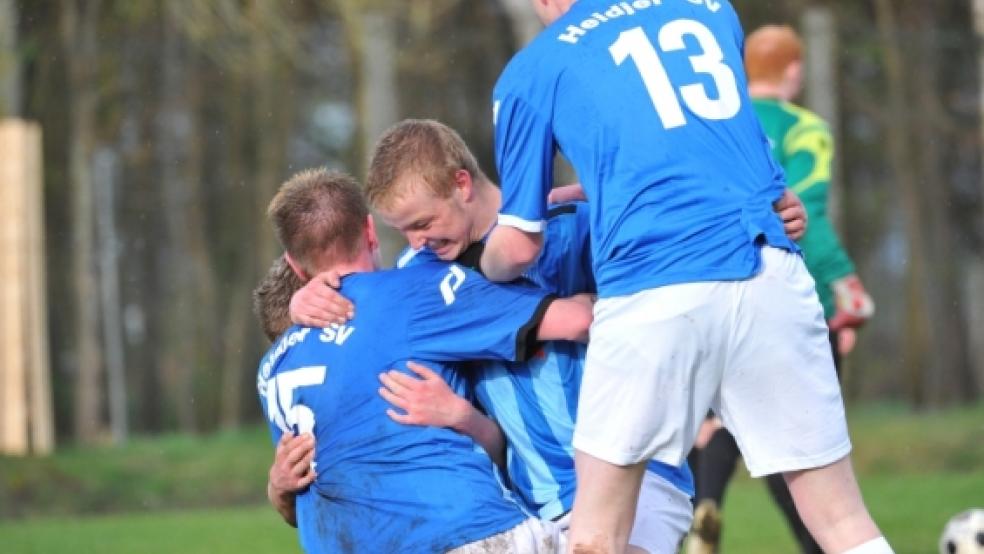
[371,238]
[296,267]
[792,77]
[463,184]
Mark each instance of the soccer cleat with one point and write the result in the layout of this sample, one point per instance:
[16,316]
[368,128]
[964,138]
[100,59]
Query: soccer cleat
[706,530]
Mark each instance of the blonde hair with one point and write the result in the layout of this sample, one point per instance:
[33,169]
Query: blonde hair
[423,147]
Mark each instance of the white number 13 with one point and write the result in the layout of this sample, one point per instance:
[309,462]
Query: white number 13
[636,45]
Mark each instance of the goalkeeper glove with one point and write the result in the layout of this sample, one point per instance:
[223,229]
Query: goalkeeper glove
[854,305]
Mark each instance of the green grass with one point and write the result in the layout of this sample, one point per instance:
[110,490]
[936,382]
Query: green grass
[911,509]
[205,494]
[227,531]
[168,472]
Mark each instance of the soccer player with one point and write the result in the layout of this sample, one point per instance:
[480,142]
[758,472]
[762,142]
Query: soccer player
[803,146]
[382,486]
[425,182]
[703,300]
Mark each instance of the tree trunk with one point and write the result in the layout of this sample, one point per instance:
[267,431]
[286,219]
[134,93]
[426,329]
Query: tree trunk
[820,77]
[917,327]
[10,71]
[974,283]
[190,313]
[106,173]
[78,26]
[953,378]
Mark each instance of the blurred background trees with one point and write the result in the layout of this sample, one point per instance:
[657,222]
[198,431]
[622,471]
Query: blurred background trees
[168,126]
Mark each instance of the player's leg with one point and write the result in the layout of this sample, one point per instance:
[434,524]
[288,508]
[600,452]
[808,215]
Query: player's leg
[714,467]
[829,501]
[605,504]
[780,494]
[641,398]
[663,516]
[781,399]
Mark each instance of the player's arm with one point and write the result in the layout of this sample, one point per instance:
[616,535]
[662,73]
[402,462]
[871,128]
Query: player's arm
[524,148]
[573,192]
[290,473]
[461,316]
[567,319]
[428,400]
[509,252]
[318,303]
[789,207]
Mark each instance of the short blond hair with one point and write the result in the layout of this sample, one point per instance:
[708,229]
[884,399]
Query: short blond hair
[319,215]
[426,148]
[769,50]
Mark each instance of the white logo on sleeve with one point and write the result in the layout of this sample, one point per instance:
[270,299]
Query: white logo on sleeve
[451,282]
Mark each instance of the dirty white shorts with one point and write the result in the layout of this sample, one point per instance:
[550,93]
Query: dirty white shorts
[532,536]
[755,351]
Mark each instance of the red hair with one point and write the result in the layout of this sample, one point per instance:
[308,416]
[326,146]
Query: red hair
[769,50]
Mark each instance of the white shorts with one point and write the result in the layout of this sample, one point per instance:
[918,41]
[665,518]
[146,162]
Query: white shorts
[663,516]
[532,536]
[755,351]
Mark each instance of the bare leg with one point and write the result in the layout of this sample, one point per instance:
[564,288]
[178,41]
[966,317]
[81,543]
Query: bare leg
[829,501]
[604,506]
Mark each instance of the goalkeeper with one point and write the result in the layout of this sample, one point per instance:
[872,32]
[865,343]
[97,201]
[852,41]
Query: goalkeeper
[802,144]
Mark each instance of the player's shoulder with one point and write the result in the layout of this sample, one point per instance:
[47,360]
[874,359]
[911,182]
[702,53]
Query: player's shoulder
[533,67]
[413,256]
[803,115]
[282,347]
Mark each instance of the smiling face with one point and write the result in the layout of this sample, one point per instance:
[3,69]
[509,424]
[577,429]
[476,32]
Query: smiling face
[443,224]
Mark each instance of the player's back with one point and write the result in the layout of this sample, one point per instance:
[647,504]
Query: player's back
[647,100]
[381,486]
[785,124]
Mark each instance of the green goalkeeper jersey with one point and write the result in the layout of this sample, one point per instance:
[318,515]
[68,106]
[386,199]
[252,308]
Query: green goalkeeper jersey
[804,147]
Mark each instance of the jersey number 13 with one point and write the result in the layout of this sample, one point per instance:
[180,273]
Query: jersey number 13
[636,45]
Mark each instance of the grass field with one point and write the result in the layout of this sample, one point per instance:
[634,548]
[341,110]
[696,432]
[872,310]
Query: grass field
[171,495]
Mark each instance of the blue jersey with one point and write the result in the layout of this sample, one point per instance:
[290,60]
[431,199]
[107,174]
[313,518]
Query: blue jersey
[383,486]
[535,402]
[647,100]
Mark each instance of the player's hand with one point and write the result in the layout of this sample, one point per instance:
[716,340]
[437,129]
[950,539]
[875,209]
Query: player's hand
[566,193]
[291,470]
[846,339]
[318,304]
[793,214]
[854,305]
[426,401]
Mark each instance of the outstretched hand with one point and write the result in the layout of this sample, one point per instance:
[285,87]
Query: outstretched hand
[427,400]
[318,303]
